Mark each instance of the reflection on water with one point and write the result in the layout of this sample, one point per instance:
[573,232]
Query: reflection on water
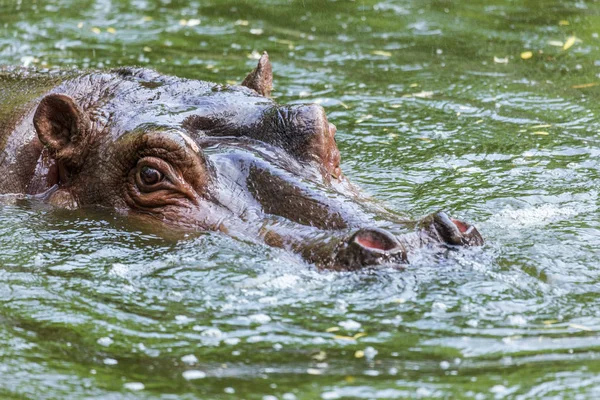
[436,108]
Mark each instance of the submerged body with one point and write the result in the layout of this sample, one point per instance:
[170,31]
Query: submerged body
[200,156]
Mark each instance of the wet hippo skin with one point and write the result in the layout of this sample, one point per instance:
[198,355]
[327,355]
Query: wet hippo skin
[198,156]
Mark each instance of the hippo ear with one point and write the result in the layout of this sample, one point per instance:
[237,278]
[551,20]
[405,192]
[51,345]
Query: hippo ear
[63,127]
[261,79]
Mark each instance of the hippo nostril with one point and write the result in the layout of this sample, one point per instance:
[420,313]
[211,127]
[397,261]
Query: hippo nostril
[370,247]
[376,239]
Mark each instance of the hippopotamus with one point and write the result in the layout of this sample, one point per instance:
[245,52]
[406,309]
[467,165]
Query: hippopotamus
[194,156]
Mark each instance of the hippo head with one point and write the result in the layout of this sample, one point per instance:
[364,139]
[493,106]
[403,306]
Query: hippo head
[198,156]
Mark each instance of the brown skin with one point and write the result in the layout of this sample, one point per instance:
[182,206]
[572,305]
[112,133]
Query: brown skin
[197,156]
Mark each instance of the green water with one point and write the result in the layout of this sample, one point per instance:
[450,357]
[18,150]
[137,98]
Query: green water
[435,109]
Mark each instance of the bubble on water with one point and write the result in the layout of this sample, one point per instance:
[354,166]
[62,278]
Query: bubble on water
[193,374]
[259,318]
[229,390]
[370,353]
[135,386]
[330,395]
[350,325]
[182,318]
[119,270]
[110,361]
[517,320]
[444,365]
[105,341]
[212,332]
[472,323]
[498,389]
[232,341]
[189,359]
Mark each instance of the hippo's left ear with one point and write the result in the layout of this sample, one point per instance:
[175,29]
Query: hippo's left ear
[64,128]
[261,79]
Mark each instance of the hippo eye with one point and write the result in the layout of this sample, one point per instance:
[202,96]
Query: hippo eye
[150,176]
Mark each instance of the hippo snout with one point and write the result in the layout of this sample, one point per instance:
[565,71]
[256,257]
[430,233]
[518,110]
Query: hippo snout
[370,247]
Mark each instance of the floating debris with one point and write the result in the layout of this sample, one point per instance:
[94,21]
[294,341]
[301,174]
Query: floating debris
[111,30]
[570,42]
[332,329]
[381,53]
[526,55]
[359,354]
[563,22]
[556,43]
[97,31]
[541,133]
[585,85]
[501,60]
[581,327]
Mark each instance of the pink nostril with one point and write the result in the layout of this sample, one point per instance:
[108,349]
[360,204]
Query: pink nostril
[462,227]
[375,239]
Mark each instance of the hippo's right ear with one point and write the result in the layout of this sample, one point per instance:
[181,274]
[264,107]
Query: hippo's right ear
[261,78]
[64,128]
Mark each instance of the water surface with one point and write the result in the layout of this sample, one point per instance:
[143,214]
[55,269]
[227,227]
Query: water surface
[438,105]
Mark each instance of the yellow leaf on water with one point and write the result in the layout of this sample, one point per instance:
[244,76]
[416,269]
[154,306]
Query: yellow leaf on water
[381,53]
[320,356]
[147,49]
[584,85]
[340,337]
[563,22]
[359,354]
[414,85]
[396,105]
[541,126]
[556,43]
[147,19]
[332,329]
[570,42]
[479,121]
[541,133]
[550,321]
[97,31]
[580,327]
[359,335]
[526,55]
[501,60]
[111,30]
